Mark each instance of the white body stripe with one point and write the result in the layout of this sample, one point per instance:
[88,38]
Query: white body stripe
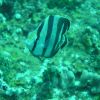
[52,38]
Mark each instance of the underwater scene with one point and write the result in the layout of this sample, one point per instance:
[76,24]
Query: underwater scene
[49,49]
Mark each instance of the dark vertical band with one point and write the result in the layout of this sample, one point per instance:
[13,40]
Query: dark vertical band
[48,35]
[66,25]
[59,26]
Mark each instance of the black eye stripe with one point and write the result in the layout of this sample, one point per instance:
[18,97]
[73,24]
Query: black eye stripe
[38,36]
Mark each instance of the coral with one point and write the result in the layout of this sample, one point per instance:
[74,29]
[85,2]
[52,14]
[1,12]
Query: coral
[71,4]
[74,73]
[2,18]
[91,79]
[53,79]
[7,8]
[9,92]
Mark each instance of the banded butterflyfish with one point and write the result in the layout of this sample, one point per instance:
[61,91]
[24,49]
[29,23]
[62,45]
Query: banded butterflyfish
[48,37]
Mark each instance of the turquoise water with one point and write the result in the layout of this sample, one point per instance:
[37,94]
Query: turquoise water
[72,74]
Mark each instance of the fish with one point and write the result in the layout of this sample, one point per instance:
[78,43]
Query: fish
[49,37]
